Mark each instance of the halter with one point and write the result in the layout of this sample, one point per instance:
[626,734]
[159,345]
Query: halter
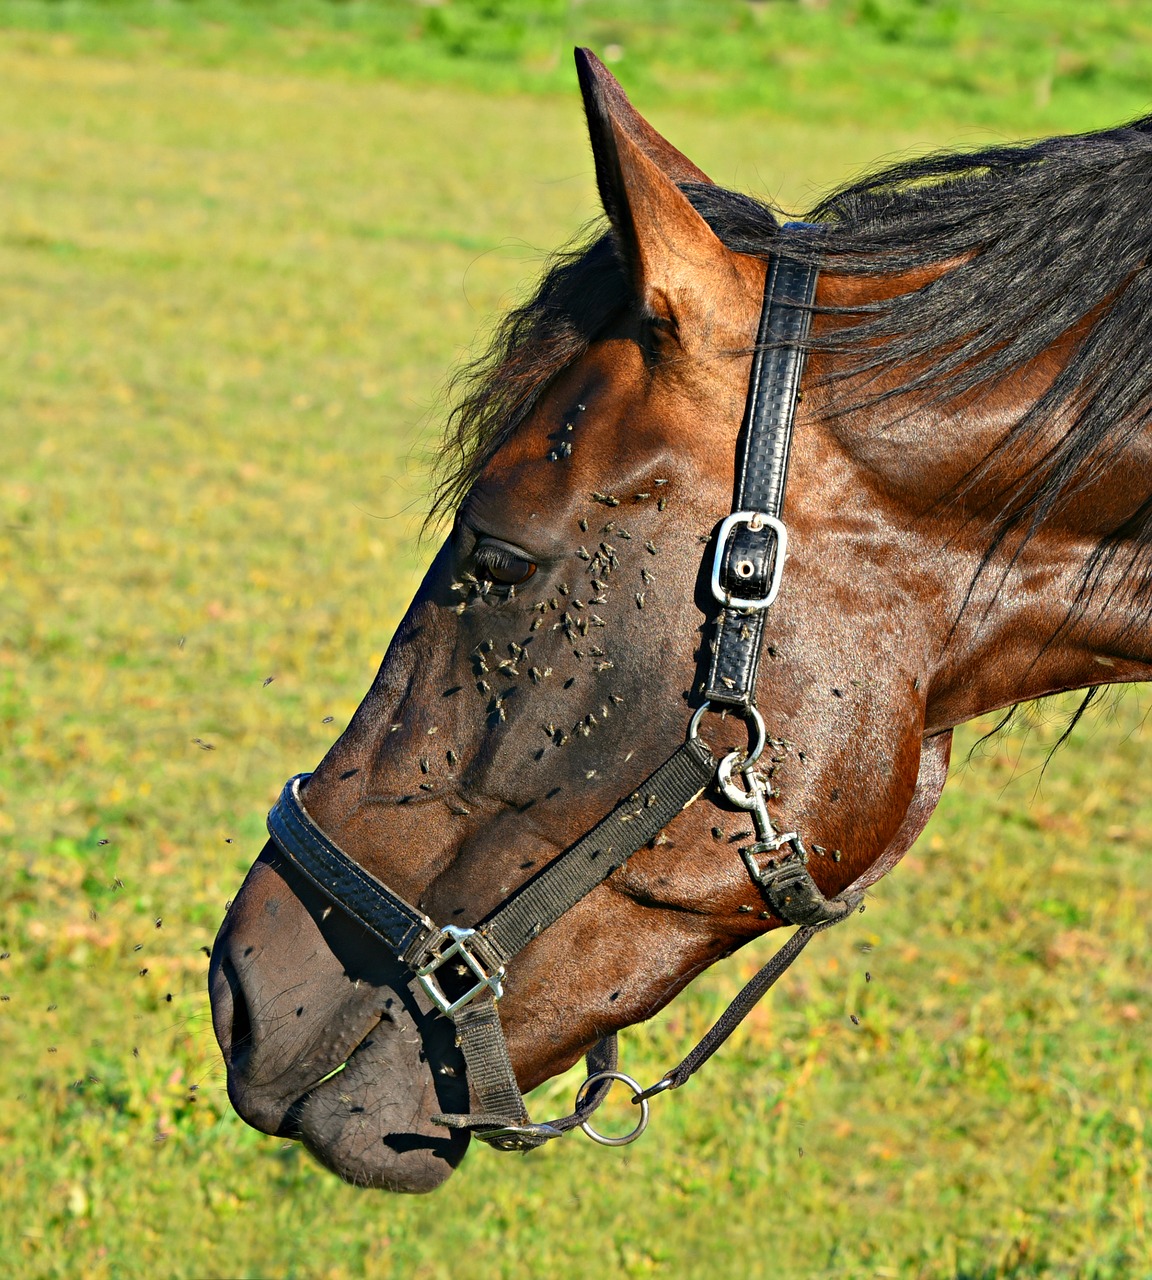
[462,970]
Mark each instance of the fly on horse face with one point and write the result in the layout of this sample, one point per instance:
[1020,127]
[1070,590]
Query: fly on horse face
[748,515]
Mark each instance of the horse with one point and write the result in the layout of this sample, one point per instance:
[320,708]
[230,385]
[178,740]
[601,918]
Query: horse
[566,743]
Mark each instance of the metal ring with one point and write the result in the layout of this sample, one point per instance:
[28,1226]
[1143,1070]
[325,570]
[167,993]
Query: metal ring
[634,1085]
[694,723]
[750,714]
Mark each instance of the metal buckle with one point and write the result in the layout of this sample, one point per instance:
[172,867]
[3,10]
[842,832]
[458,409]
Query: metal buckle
[518,1137]
[755,520]
[441,954]
[777,871]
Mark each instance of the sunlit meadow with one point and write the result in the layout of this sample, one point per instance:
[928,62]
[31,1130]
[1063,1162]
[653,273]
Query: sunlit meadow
[241,246]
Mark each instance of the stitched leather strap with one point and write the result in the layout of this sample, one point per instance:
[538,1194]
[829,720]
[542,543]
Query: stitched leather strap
[748,561]
[529,910]
[339,878]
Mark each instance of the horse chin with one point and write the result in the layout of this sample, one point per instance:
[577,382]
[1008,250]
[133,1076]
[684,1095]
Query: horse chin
[371,1124]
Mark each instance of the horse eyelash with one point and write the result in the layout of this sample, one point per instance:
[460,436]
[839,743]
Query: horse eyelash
[497,559]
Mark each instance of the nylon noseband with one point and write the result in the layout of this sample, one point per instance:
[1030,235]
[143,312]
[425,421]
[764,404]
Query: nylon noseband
[462,970]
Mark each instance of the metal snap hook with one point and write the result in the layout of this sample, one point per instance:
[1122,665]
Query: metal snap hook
[750,796]
[665,1082]
[637,1093]
[753,798]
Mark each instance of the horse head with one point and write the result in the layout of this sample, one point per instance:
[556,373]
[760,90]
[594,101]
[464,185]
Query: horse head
[561,639]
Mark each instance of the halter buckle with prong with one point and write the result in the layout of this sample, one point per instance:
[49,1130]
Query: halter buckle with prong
[756,521]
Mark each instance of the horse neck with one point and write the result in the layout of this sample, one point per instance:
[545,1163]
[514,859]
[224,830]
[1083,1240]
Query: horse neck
[1045,579]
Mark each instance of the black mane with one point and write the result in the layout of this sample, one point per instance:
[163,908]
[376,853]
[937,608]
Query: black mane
[1044,241]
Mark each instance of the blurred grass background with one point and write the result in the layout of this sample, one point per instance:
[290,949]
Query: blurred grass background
[241,244]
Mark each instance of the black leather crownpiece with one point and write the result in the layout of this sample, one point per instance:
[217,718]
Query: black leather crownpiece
[762,472]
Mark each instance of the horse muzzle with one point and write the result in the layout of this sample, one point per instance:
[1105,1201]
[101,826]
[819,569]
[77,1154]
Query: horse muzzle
[325,1040]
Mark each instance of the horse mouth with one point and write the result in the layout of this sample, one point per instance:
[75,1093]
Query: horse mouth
[369,1119]
[367,1124]
[347,1058]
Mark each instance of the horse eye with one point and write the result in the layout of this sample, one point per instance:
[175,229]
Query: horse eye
[502,564]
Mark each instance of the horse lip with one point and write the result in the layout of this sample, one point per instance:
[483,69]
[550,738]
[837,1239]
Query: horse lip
[345,1057]
[290,1124]
[267,1093]
[359,1126]
[276,1107]
[343,1050]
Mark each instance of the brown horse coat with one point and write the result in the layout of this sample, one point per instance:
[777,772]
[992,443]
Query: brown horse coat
[552,656]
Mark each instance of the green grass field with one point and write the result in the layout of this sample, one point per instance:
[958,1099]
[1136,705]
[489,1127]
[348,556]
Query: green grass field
[240,248]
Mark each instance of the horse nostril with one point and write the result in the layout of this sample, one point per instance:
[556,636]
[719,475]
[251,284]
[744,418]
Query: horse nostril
[240,1027]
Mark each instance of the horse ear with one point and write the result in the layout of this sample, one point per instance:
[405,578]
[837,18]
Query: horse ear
[668,248]
[595,78]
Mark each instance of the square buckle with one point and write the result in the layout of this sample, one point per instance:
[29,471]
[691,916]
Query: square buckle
[448,945]
[755,520]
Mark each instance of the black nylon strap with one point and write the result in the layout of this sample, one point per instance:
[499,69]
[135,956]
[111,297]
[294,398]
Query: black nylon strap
[791,892]
[570,877]
[497,1131]
[338,877]
[497,1097]
[762,472]
[537,903]
[601,1057]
